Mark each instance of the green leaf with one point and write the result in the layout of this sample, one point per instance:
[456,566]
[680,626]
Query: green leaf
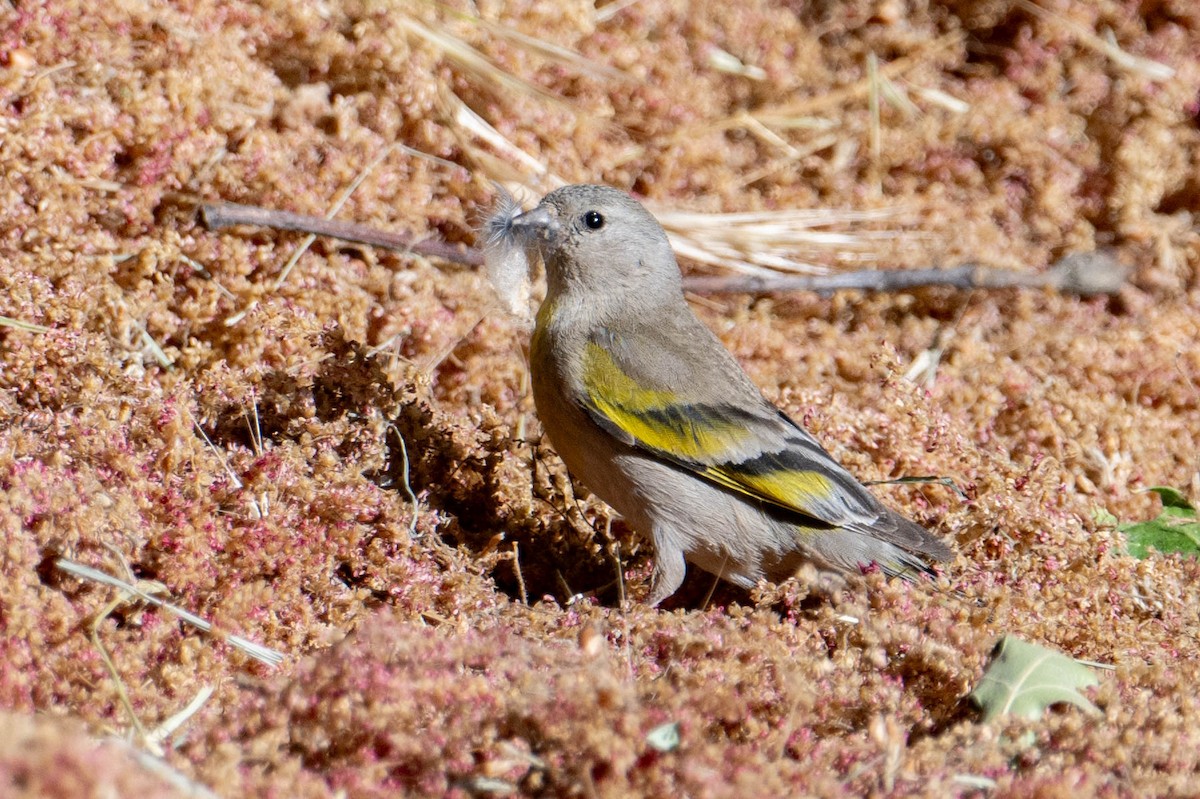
[664,737]
[1159,534]
[1176,529]
[1024,679]
[1172,498]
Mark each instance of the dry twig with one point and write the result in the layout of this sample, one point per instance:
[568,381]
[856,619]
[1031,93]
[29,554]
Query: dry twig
[1079,273]
[216,216]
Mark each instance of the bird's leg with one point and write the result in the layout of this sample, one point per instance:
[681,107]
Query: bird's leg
[669,568]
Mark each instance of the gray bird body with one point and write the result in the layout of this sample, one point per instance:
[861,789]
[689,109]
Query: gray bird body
[654,415]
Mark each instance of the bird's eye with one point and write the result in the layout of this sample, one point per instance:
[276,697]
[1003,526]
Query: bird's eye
[594,220]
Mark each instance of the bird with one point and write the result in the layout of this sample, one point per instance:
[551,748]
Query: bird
[649,410]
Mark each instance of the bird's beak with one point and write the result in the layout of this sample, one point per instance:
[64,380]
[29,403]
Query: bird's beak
[538,224]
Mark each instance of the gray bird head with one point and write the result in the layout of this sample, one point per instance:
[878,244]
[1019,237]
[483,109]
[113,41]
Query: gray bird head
[600,243]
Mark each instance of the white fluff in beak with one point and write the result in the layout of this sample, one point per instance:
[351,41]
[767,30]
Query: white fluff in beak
[506,259]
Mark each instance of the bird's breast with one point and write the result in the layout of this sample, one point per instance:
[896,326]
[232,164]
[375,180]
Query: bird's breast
[556,362]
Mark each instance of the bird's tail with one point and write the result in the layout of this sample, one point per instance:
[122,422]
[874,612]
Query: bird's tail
[914,548]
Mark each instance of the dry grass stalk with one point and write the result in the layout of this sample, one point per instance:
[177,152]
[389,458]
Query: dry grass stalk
[554,52]
[787,115]
[875,134]
[17,324]
[472,62]
[263,654]
[1138,65]
[766,242]
[516,165]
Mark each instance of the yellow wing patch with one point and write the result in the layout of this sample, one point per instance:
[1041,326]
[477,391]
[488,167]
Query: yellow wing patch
[789,488]
[684,434]
[652,417]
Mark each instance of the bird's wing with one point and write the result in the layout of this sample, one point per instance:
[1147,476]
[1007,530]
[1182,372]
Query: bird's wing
[748,445]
